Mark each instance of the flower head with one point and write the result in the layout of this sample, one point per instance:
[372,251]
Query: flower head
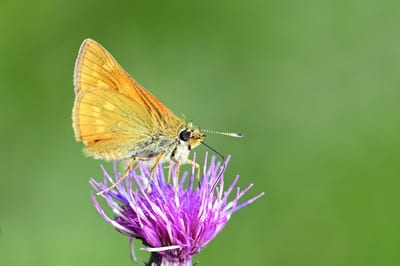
[174,221]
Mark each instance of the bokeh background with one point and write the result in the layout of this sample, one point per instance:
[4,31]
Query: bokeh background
[313,85]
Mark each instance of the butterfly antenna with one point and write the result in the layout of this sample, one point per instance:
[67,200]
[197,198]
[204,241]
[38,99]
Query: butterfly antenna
[230,134]
[222,170]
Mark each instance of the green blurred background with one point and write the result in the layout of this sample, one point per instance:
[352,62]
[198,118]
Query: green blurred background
[313,85]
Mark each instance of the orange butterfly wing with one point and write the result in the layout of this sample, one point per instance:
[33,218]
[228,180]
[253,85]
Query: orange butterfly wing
[97,68]
[112,112]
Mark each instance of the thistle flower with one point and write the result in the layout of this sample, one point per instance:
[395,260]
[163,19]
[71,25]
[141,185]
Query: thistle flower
[174,222]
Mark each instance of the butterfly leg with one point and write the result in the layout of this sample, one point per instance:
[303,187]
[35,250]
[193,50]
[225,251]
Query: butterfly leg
[188,161]
[178,166]
[128,169]
[153,169]
[169,173]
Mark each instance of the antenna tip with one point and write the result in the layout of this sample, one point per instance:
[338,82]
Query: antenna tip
[239,135]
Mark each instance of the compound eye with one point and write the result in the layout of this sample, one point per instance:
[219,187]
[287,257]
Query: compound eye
[184,135]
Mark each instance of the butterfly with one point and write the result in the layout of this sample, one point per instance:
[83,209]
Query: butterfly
[117,119]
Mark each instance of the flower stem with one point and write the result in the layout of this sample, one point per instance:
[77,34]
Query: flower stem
[157,259]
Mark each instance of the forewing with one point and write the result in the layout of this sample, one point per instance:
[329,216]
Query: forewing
[96,68]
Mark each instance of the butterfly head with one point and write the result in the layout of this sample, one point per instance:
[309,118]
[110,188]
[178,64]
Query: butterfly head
[191,135]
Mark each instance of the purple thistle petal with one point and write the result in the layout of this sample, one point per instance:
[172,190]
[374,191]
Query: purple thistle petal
[174,222]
